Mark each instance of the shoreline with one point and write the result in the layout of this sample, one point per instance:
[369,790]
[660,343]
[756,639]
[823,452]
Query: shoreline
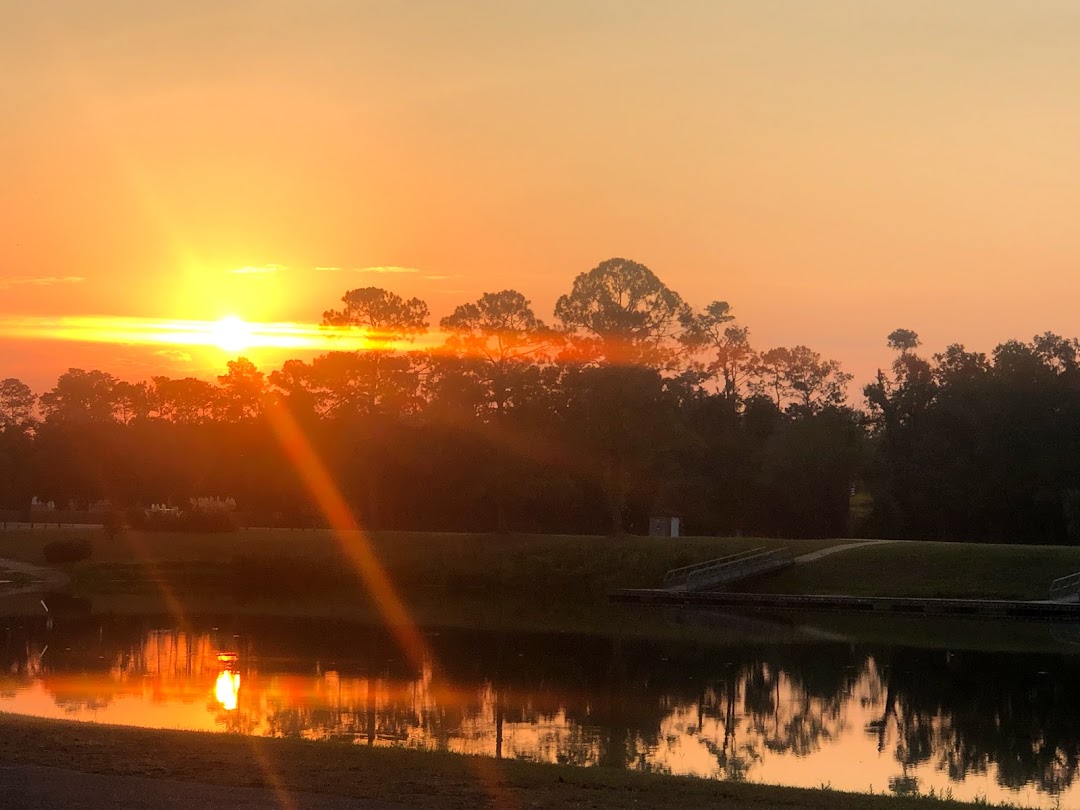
[408,777]
[1016,609]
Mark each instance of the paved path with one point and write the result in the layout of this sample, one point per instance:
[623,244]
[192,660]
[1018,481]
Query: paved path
[814,556]
[48,579]
[33,787]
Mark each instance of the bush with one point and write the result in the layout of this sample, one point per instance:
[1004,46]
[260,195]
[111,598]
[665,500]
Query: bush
[60,552]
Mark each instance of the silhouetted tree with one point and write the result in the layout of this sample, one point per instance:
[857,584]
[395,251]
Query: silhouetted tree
[502,334]
[81,396]
[383,316]
[730,357]
[16,404]
[186,401]
[242,390]
[620,312]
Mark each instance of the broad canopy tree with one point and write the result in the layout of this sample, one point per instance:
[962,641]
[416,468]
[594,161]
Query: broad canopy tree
[17,403]
[81,396]
[379,377]
[620,312]
[501,340]
[385,318]
[186,401]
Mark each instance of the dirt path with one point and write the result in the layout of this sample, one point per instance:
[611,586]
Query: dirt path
[814,556]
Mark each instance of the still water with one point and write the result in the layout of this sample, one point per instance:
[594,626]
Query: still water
[892,719]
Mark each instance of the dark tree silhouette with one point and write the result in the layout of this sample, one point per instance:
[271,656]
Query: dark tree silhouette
[620,312]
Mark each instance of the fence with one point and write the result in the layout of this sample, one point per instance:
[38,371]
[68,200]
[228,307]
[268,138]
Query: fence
[50,519]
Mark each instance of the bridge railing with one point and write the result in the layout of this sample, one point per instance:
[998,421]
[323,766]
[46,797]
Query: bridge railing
[727,569]
[1065,587]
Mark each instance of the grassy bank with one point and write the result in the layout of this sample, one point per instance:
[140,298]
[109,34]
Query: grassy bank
[538,582]
[924,569]
[411,778]
[422,559]
[514,582]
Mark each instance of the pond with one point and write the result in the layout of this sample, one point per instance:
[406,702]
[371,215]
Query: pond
[999,726]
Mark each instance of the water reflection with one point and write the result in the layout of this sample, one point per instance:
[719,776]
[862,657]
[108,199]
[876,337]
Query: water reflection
[1003,727]
[227,689]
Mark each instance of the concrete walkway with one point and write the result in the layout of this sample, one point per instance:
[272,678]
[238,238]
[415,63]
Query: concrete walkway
[47,579]
[33,787]
[814,556]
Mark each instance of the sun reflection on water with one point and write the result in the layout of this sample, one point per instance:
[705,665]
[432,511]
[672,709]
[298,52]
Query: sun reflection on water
[227,689]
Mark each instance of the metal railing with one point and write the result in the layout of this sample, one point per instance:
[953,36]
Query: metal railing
[678,574]
[1065,587]
[727,569]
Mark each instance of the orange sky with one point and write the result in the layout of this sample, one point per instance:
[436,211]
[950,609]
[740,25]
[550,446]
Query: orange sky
[834,168]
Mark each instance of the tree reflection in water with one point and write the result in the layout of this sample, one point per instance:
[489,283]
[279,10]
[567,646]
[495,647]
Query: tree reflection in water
[922,717]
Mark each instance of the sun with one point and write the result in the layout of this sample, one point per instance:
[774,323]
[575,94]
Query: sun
[231,334]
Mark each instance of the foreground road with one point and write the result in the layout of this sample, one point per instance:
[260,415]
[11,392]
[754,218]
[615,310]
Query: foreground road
[33,787]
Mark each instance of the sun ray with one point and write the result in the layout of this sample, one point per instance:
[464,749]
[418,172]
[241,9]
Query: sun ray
[350,536]
[358,549]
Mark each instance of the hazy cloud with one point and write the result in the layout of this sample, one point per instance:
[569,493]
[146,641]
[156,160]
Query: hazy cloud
[38,281]
[174,354]
[261,270]
[328,269]
[385,269]
[441,278]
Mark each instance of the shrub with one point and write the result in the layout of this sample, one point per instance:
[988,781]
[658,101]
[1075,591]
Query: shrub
[60,552]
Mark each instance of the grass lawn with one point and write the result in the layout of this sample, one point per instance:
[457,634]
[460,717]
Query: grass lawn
[524,582]
[925,569]
[412,778]
[536,582]
[645,555]
[418,563]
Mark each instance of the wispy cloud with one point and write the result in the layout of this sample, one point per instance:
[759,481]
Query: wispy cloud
[385,269]
[175,355]
[252,270]
[328,269]
[38,281]
[442,278]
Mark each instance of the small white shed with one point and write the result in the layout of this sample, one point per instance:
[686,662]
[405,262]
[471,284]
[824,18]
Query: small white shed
[666,526]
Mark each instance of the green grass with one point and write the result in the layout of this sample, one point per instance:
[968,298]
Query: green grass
[641,556]
[410,778]
[924,569]
[535,582]
[519,582]
[418,563]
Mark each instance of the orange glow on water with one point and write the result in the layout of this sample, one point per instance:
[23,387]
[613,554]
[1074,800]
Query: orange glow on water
[227,689]
[797,738]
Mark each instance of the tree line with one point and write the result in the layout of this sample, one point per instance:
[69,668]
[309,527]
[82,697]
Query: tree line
[629,403]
